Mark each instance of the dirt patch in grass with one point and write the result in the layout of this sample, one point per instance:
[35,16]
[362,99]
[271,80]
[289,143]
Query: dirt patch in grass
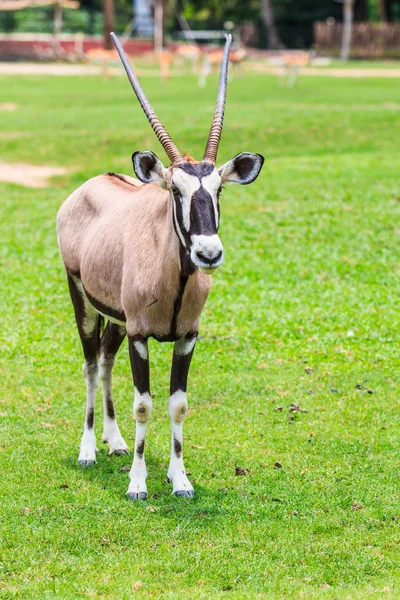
[29,175]
[12,135]
[8,106]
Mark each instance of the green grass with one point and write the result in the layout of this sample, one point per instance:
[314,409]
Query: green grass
[304,310]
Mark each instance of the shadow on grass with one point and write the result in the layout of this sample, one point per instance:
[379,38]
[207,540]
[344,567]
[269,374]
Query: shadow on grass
[237,500]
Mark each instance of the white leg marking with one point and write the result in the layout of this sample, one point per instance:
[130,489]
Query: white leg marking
[87,454]
[141,349]
[184,346]
[181,485]
[142,408]
[111,432]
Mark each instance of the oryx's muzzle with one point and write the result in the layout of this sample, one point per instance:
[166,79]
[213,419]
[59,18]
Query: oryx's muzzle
[207,252]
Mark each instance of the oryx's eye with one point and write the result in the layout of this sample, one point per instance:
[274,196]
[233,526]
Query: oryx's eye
[175,190]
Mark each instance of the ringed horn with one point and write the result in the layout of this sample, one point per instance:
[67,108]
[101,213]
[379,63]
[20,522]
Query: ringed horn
[163,136]
[214,137]
[210,153]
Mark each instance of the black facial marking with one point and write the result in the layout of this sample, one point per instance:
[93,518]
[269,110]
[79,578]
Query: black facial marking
[106,310]
[177,447]
[90,418]
[202,214]
[199,170]
[179,218]
[140,449]
[139,366]
[180,368]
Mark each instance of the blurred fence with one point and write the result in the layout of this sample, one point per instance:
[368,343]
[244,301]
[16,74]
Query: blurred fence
[368,40]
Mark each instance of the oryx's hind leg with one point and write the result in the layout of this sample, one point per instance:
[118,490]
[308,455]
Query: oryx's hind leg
[183,352]
[111,340]
[89,326]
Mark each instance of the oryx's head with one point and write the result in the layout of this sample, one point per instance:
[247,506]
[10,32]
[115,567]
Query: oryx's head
[195,187]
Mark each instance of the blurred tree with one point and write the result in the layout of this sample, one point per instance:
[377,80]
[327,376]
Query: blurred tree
[382,11]
[109,22]
[347,28]
[267,15]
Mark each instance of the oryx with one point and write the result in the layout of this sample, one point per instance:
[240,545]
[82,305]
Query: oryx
[140,254]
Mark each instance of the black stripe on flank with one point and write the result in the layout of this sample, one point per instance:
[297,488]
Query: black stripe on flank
[106,310]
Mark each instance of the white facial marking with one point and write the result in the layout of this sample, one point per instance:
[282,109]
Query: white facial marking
[209,246]
[178,229]
[211,183]
[141,349]
[187,185]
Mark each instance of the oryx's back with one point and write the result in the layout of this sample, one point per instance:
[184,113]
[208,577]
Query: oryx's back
[104,208]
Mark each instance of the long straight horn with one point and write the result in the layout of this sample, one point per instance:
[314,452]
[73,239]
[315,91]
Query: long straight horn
[211,151]
[163,136]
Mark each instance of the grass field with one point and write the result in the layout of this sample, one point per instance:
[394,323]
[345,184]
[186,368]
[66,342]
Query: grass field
[305,310]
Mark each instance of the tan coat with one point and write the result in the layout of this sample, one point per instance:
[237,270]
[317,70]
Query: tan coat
[118,237]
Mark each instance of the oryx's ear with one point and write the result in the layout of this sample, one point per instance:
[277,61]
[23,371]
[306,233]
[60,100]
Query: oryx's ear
[243,168]
[149,168]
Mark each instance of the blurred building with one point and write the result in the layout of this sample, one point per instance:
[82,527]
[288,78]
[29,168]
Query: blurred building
[143,11]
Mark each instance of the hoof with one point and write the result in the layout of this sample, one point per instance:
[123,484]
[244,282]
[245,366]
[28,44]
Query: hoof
[121,452]
[184,493]
[86,463]
[137,495]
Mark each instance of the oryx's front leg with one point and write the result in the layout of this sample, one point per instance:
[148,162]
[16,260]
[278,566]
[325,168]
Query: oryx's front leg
[142,407]
[183,352]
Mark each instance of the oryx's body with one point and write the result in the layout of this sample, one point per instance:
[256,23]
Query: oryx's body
[115,223]
[141,256]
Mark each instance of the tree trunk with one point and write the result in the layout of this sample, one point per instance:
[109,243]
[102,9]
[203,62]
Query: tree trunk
[267,15]
[382,11]
[347,29]
[108,13]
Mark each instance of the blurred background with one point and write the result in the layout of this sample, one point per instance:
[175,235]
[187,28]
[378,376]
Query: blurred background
[179,33]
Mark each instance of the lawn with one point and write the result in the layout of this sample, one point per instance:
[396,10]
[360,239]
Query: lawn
[305,310]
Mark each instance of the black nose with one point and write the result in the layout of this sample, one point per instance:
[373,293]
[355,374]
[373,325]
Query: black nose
[209,260]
